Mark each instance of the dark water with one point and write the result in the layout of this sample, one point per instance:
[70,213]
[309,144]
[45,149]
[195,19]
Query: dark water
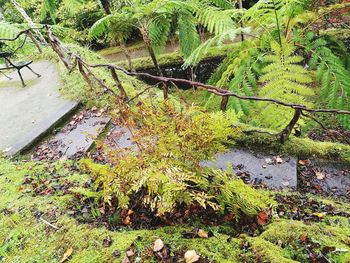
[202,71]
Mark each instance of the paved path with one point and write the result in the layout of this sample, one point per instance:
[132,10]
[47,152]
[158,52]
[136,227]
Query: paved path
[27,113]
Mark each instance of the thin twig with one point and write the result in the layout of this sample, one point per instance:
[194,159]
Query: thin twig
[48,223]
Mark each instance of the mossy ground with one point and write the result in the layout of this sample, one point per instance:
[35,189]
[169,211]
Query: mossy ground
[25,238]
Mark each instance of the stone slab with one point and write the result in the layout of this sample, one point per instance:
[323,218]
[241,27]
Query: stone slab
[28,113]
[122,138]
[73,143]
[274,172]
[333,177]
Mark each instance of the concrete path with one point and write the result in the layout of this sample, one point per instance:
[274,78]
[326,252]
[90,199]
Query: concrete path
[27,113]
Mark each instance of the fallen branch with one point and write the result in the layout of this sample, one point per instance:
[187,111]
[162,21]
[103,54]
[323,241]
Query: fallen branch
[219,91]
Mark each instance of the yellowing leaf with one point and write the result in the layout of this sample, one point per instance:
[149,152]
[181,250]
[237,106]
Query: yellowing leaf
[201,233]
[319,215]
[67,254]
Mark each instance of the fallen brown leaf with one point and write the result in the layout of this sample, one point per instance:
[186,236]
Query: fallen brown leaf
[127,220]
[262,218]
[303,237]
[302,162]
[319,175]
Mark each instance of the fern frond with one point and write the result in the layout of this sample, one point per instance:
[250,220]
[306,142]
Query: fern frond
[159,30]
[332,75]
[283,79]
[188,35]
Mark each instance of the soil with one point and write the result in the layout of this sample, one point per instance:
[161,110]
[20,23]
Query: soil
[339,134]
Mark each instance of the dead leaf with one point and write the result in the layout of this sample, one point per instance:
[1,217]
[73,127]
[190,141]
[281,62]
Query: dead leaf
[279,160]
[262,218]
[303,237]
[319,175]
[130,253]
[126,220]
[201,233]
[302,162]
[126,259]
[191,256]
[107,242]
[67,254]
[158,245]
[130,212]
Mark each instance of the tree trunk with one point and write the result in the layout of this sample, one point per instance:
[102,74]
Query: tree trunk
[224,102]
[288,130]
[147,40]
[127,55]
[29,21]
[119,85]
[106,6]
[1,15]
[240,5]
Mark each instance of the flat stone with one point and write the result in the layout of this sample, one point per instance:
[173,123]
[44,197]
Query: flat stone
[75,142]
[122,138]
[335,177]
[255,168]
[26,114]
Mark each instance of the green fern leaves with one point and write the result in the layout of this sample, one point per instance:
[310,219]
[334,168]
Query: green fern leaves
[188,35]
[283,79]
[333,77]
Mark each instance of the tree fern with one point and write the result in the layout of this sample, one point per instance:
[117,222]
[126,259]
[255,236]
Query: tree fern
[188,34]
[118,26]
[49,7]
[238,73]
[283,79]
[215,19]
[333,77]
[264,12]
[224,4]
[217,40]
[159,29]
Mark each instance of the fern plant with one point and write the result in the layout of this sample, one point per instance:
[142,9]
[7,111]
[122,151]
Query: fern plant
[283,79]
[332,73]
[154,22]
[165,172]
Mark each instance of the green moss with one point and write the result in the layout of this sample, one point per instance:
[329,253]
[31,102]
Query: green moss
[299,147]
[327,234]
[264,251]
[24,238]
[115,50]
